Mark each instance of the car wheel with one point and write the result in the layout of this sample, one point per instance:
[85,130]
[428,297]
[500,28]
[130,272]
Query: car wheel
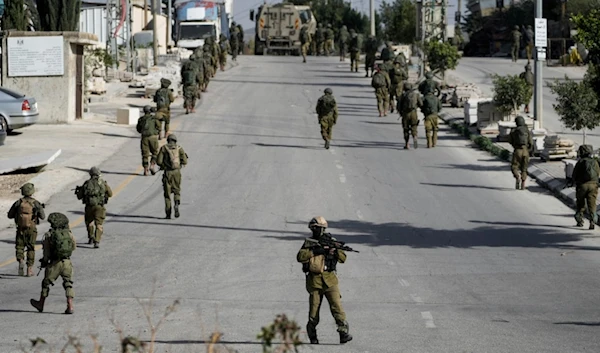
[4,125]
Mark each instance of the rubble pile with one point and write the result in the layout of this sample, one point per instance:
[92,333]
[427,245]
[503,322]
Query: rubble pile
[463,93]
[557,148]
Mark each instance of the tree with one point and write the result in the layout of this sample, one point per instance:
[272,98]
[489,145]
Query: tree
[510,92]
[441,56]
[59,15]
[576,104]
[14,15]
[399,19]
[588,27]
[31,13]
[576,7]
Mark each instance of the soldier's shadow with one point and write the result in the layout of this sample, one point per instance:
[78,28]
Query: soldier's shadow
[104,171]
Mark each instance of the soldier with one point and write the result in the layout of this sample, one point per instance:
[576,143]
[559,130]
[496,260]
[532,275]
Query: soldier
[386,52]
[430,109]
[27,213]
[320,38]
[94,193]
[520,139]
[528,77]
[329,35]
[240,39]
[225,48]
[163,99]
[354,51]
[305,41]
[343,42]
[319,264]
[149,126]
[401,60]
[327,115]
[381,83]
[188,80]
[516,43]
[370,51]
[398,76]
[234,38]
[216,53]
[529,35]
[198,60]
[430,85]
[408,104]
[171,159]
[390,70]
[59,245]
[208,66]
[585,175]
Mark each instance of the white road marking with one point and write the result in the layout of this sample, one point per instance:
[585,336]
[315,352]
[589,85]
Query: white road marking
[426,315]
[403,282]
[342,178]
[359,214]
[416,299]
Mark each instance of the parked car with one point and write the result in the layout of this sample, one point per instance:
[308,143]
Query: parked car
[17,110]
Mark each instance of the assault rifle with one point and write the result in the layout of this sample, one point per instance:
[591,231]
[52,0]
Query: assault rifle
[329,242]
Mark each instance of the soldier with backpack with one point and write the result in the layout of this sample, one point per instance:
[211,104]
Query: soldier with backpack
[27,213]
[171,159]
[234,40]
[343,42]
[528,77]
[430,109]
[305,41]
[208,67]
[149,126]
[188,80]
[327,115]
[585,176]
[225,48]
[355,46]
[370,51]
[198,61]
[430,85]
[408,104]
[329,35]
[520,139]
[381,82]
[216,53]
[397,75]
[59,245]
[163,99]
[94,193]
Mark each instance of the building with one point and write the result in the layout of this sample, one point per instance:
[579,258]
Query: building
[487,7]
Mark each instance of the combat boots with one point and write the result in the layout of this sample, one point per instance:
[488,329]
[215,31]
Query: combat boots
[69,310]
[592,226]
[38,304]
[153,168]
[21,268]
[29,271]
[168,214]
[415,143]
[314,340]
[146,171]
[518,183]
[523,184]
[327,144]
[177,209]
[345,337]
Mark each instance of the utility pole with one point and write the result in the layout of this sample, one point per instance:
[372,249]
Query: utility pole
[155,31]
[169,19]
[372,13]
[540,44]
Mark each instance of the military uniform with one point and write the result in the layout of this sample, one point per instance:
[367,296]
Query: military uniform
[149,126]
[320,39]
[304,41]
[410,119]
[329,35]
[520,139]
[171,159]
[354,51]
[516,43]
[240,39]
[225,48]
[586,185]
[529,34]
[26,219]
[165,109]
[430,85]
[323,284]
[216,50]
[190,87]
[327,115]
[234,38]
[57,265]
[370,51]
[198,60]
[95,212]
[431,108]
[528,77]
[381,93]
[208,66]
[343,42]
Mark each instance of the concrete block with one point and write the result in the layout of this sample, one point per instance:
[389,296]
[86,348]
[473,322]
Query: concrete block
[128,116]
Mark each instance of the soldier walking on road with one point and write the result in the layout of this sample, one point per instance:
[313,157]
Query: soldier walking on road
[320,38]
[370,51]
[327,115]
[59,245]
[586,175]
[430,85]
[225,48]
[27,213]
[430,109]
[408,104]
[149,126]
[304,41]
[329,36]
[516,43]
[319,264]
[208,68]
[528,77]
[355,46]
[343,42]
[94,193]
[520,139]
[234,40]
[216,53]
[381,82]
[188,80]
[163,99]
[171,159]
[240,39]
[529,36]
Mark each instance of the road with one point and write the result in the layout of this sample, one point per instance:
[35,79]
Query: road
[452,259]
[479,71]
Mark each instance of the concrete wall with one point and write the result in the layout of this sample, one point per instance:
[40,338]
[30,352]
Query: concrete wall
[55,95]
[138,25]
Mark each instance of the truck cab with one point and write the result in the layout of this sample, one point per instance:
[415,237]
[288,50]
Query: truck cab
[192,34]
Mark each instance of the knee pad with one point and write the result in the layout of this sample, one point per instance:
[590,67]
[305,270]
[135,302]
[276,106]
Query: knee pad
[46,283]
[67,285]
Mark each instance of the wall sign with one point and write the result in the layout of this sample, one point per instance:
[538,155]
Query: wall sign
[35,56]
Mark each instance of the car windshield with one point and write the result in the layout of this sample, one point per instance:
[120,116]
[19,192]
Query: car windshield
[305,16]
[196,31]
[12,93]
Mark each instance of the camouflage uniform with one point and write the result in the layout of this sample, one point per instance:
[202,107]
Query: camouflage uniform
[516,43]
[26,228]
[327,119]
[354,46]
[325,284]
[234,38]
[56,267]
[240,39]
[216,53]
[520,157]
[343,42]
[208,67]
[198,60]
[320,39]
[190,88]
[225,48]
[529,34]
[410,119]
[172,173]
[586,190]
[431,107]
[370,51]
[430,85]
[329,35]
[165,110]
[529,78]
[305,42]
[149,126]
[95,212]
[381,93]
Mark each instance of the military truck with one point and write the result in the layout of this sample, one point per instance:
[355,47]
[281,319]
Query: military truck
[278,28]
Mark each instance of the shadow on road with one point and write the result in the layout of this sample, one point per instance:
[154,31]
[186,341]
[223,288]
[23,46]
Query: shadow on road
[330,84]
[104,171]
[108,214]
[115,135]
[474,167]
[579,323]
[469,186]
[287,146]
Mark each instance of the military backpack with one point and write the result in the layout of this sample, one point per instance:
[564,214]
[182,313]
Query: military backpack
[325,105]
[378,81]
[304,38]
[590,171]
[528,77]
[161,98]
[174,156]
[409,102]
[94,192]
[61,244]
[25,218]
[188,77]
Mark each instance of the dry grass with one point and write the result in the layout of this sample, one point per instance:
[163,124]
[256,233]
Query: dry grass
[10,184]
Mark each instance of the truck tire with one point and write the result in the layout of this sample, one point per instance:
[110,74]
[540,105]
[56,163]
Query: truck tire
[258,46]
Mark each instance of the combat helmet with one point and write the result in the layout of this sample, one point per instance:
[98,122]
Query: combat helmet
[318,221]
[428,75]
[516,27]
[148,109]
[165,82]
[585,151]
[408,86]
[58,220]
[27,189]
[520,121]
[172,138]
[94,171]
[233,23]
[328,91]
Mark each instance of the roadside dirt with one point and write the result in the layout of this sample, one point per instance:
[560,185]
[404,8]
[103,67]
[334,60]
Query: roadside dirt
[10,184]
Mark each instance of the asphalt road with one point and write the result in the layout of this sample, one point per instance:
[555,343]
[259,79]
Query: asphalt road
[452,259]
